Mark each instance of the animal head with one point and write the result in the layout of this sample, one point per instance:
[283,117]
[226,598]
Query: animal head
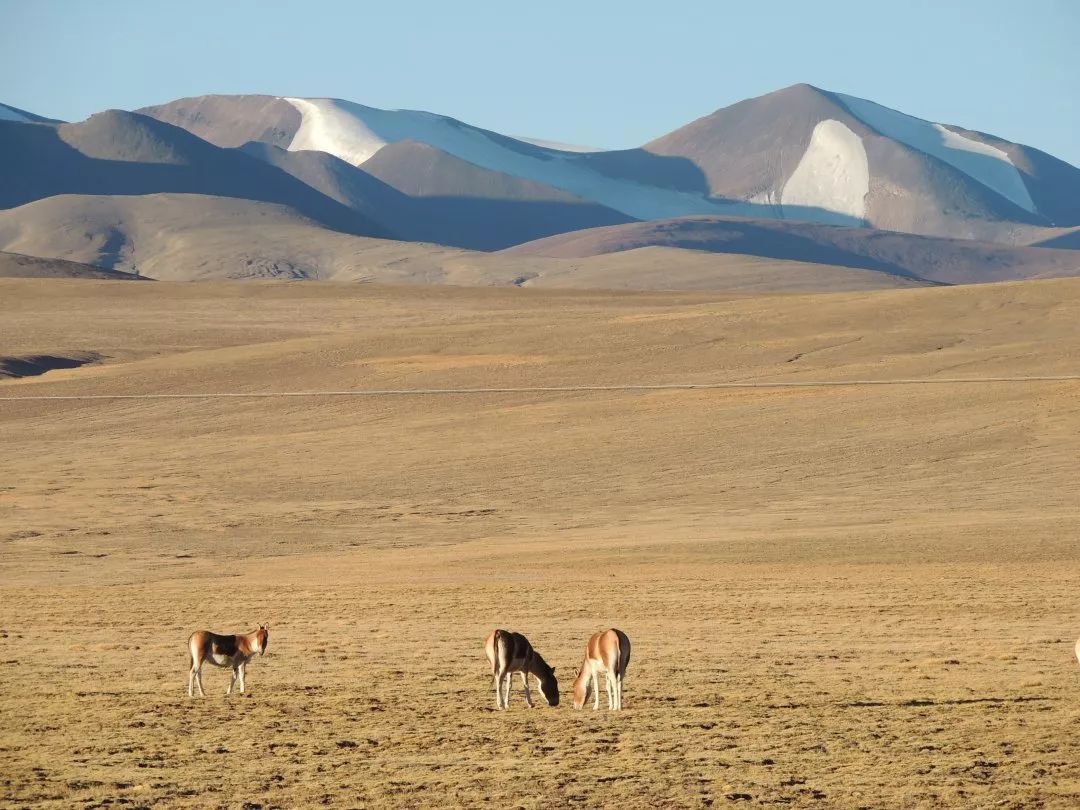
[549,687]
[263,636]
[581,688]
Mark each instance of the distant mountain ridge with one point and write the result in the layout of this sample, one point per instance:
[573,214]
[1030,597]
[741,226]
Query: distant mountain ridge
[117,152]
[190,237]
[921,258]
[798,153]
[802,177]
[423,194]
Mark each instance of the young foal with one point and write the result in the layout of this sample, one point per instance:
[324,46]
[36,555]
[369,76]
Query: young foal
[607,652]
[224,651]
[511,652]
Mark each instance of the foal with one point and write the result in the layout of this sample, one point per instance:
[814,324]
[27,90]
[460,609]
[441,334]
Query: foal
[511,652]
[224,651]
[607,652]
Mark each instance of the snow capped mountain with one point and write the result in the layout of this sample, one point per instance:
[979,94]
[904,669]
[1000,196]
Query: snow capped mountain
[769,177]
[355,133]
[800,153]
[986,164]
[815,155]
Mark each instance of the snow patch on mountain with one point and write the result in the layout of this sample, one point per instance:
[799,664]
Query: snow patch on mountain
[8,114]
[355,133]
[341,128]
[984,163]
[559,146]
[833,174]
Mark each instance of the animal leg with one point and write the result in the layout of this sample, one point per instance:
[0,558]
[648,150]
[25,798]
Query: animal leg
[618,691]
[232,680]
[191,681]
[498,691]
[242,669]
[528,694]
[509,681]
[595,692]
[609,684]
[198,681]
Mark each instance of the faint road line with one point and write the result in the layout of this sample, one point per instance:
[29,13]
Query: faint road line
[553,389]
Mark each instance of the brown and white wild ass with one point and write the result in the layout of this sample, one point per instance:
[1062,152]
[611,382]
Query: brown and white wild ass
[224,651]
[511,652]
[607,652]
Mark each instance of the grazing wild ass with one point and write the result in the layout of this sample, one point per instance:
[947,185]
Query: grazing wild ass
[607,652]
[511,652]
[224,651]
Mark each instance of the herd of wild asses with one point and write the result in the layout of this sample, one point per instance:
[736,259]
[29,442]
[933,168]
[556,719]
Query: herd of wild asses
[607,653]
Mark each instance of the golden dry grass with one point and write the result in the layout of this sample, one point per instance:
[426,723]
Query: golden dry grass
[853,597]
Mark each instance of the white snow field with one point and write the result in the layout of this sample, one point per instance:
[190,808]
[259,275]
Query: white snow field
[8,114]
[833,173]
[829,184]
[559,146]
[354,133]
[982,162]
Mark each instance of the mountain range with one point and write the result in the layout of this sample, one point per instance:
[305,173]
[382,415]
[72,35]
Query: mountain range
[315,188]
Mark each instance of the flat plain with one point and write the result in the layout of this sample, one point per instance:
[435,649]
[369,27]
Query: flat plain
[838,596]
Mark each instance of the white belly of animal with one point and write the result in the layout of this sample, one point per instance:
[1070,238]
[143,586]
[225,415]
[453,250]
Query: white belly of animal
[221,660]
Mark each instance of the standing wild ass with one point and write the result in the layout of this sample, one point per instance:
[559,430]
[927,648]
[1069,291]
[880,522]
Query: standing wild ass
[511,652]
[224,651]
[607,652]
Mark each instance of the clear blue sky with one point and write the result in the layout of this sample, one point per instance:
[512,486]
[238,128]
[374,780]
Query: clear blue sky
[612,74]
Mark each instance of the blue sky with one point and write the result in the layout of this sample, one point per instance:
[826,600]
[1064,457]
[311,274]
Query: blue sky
[597,73]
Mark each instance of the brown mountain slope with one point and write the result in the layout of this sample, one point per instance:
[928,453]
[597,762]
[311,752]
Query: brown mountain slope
[123,153]
[749,151]
[423,194]
[797,153]
[194,237]
[741,150]
[19,265]
[948,261]
[189,237]
[231,120]
[669,268]
[462,204]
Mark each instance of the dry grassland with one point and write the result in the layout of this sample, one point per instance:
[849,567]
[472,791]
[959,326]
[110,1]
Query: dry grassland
[838,597]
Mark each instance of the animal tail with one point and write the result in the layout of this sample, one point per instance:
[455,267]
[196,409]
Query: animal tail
[191,650]
[497,646]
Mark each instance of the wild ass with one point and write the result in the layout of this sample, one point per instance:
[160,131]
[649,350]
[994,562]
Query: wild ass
[511,652]
[607,652]
[224,651]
